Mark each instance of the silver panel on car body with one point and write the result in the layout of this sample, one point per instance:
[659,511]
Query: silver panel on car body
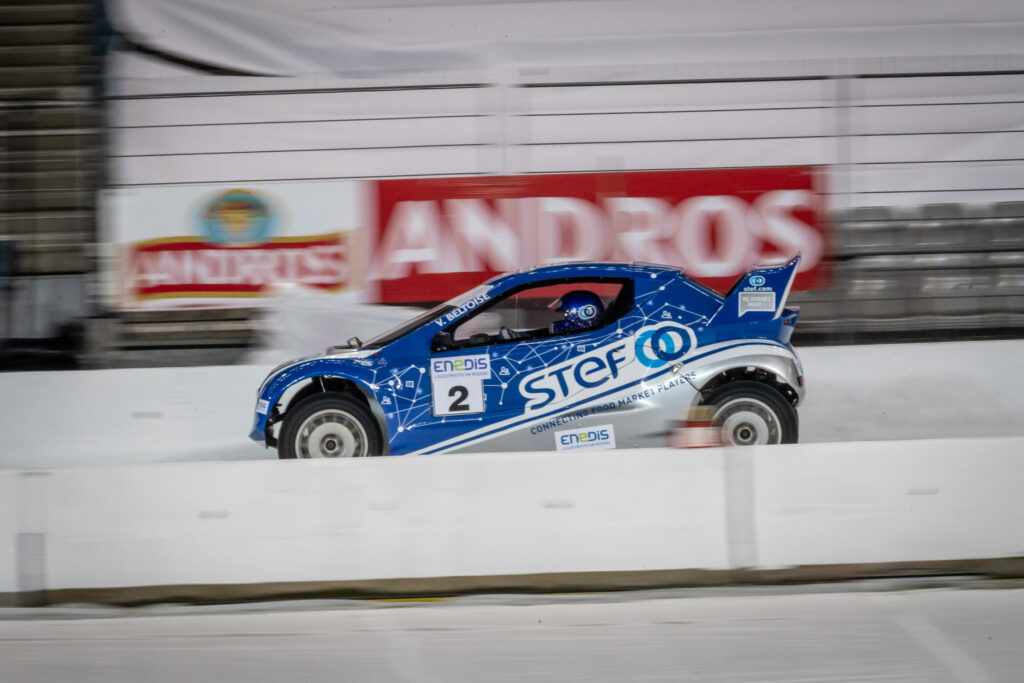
[646,422]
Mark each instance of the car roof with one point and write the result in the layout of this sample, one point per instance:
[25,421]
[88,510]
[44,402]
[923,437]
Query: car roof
[582,269]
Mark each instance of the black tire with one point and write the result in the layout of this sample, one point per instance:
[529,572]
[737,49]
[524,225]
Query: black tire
[328,425]
[753,413]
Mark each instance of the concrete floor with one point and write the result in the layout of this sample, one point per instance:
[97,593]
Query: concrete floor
[847,632]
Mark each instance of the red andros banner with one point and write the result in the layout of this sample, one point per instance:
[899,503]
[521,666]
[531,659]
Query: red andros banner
[437,237]
[426,240]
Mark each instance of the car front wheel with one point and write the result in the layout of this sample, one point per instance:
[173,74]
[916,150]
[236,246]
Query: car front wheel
[328,426]
[752,413]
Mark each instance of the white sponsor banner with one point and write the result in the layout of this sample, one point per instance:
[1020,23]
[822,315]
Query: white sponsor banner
[215,244]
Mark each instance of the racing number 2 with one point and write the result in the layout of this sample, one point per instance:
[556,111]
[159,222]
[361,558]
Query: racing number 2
[458,397]
[457,384]
[460,394]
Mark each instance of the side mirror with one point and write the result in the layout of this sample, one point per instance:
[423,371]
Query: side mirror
[442,341]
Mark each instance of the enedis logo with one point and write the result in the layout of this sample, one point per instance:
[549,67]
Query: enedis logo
[456,365]
[236,253]
[599,436]
[461,367]
[584,437]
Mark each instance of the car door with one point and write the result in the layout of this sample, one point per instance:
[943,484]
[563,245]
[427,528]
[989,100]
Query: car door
[491,372]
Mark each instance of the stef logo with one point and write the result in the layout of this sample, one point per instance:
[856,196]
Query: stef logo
[663,345]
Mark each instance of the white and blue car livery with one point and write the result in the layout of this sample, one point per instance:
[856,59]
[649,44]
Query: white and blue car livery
[489,370]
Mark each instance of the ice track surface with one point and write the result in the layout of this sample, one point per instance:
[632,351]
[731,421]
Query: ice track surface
[868,633]
[880,392]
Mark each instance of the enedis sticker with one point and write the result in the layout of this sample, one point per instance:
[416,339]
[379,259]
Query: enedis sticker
[592,438]
[460,367]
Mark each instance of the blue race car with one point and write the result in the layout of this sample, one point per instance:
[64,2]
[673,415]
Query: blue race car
[567,357]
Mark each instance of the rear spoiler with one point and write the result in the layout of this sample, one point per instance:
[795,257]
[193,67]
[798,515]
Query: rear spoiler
[757,296]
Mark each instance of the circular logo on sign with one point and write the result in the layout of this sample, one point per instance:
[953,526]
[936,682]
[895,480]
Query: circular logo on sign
[757,280]
[587,311]
[237,217]
[658,347]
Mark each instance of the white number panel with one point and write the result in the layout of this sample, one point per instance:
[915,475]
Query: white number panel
[457,384]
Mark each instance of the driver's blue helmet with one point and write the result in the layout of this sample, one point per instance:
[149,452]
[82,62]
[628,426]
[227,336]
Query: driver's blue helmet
[582,311]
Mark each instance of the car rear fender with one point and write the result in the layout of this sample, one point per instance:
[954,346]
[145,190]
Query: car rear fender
[780,370]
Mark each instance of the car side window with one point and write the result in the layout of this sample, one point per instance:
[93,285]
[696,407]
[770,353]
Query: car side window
[542,310]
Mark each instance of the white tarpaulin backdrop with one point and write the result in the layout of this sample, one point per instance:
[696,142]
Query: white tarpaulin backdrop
[909,103]
[284,38]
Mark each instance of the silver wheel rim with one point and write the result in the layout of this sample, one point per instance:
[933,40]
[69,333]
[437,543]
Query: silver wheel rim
[748,422]
[331,433]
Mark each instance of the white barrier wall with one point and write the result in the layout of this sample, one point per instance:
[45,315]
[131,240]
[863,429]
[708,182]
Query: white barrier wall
[389,518]
[903,501]
[8,532]
[514,514]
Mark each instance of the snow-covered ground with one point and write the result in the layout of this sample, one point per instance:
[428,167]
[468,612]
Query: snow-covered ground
[896,391]
[913,391]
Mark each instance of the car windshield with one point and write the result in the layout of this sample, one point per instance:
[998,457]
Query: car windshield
[405,328]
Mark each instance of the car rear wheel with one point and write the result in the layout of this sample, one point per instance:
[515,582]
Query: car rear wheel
[752,413]
[328,426]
